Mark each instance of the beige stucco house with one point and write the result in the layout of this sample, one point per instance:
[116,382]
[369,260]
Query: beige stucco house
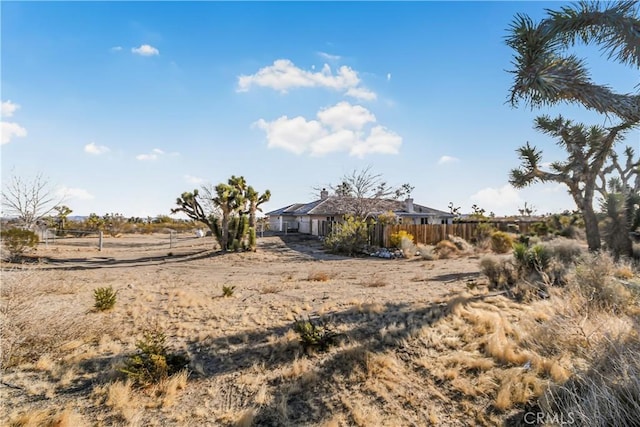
[309,217]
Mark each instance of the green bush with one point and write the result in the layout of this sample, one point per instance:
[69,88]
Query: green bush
[18,241]
[105,298]
[532,259]
[227,291]
[314,336]
[482,233]
[153,363]
[501,242]
[395,240]
[349,237]
[501,273]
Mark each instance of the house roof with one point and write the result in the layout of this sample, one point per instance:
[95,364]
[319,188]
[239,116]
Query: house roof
[336,206]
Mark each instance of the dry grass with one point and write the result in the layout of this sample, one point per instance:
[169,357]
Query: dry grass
[411,352]
[48,418]
[374,282]
[446,249]
[319,276]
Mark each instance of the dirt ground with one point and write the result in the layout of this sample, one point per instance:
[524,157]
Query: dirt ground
[246,364]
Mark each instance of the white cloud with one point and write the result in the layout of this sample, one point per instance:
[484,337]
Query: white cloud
[193,180]
[447,159]
[380,140]
[74,193]
[345,115]
[342,127]
[284,75]
[361,93]
[500,200]
[147,157]
[154,154]
[295,135]
[93,148]
[116,49]
[8,108]
[145,50]
[388,77]
[328,56]
[10,130]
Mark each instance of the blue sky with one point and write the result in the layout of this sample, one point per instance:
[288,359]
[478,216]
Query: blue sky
[125,105]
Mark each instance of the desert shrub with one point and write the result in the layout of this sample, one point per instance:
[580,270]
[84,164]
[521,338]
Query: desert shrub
[607,394]
[445,249]
[595,278]
[409,249]
[461,244]
[387,218]
[395,240]
[314,335]
[624,271]
[18,241]
[540,229]
[227,291]
[501,273]
[153,362]
[482,234]
[568,252]
[501,242]
[531,259]
[348,237]
[105,298]
[426,252]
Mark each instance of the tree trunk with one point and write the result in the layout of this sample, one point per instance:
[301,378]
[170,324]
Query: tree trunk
[591,227]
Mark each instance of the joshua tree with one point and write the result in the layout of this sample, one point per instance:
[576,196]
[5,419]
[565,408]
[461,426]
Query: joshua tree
[255,200]
[620,202]
[228,209]
[189,204]
[545,76]
[587,148]
[229,200]
[63,212]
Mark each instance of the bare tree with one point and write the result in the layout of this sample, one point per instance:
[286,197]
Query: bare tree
[361,192]
[29,200]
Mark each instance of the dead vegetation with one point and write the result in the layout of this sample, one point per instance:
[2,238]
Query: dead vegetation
[399,351]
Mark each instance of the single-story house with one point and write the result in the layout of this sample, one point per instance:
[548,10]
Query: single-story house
[309,217]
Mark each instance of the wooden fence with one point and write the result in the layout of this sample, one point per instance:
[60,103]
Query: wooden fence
[430,234]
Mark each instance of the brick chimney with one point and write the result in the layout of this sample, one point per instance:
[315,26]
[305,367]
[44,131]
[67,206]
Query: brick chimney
[408,205]
[324,194]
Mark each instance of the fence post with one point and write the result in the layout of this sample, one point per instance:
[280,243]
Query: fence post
[100,241]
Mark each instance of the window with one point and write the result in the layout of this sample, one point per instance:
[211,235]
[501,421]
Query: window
[424,221]
[331,218]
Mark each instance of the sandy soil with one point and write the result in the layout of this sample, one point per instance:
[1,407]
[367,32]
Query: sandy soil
[247,367]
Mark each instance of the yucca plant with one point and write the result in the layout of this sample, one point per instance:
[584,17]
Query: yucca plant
[545,75]
[105,298]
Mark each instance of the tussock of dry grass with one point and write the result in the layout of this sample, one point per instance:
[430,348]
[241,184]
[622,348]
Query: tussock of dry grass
[413,352]
[319,276]
[48,418]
